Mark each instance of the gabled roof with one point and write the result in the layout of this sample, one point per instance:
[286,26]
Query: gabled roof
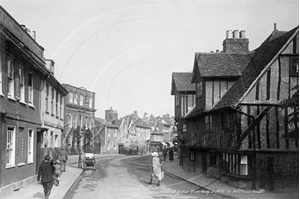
[141,123]
[209,65]
[118,122]
[181,82]
[262,57]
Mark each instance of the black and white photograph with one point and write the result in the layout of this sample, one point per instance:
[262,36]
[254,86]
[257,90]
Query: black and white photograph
[149,99]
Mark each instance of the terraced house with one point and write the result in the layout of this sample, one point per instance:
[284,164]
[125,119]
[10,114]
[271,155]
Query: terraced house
[23,73]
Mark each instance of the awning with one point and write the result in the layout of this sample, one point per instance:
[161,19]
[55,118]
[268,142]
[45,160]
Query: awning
[164,143]
[171,144]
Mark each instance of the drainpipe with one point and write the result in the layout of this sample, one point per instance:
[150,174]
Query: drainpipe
[254,149]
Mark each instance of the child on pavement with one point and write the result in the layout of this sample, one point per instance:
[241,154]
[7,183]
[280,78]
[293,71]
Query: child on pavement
[57,173]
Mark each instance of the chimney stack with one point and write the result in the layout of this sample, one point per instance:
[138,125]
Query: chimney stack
[111,115]
[236,42]
[50,65]
[31,33]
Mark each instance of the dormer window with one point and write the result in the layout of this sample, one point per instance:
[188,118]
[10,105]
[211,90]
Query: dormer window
[294,66]
[199,89]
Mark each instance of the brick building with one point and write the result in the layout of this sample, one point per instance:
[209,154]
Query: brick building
[79,119]
[22,71]
[52,114]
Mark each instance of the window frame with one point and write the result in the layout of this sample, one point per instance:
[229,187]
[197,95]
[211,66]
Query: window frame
[10,79]
[30,145]
[30,89]
[80,100]
[199,89]
[12,155]
[91,102]
[60,107]
[52,101]
[293,71]
[231,163]
[47,98]
[21,85]
[184,128]
[208,123]
[108,132]
[71,98]
[56,104]
[177,100]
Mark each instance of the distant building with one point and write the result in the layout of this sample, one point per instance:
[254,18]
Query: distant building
[111,115]
[79,122]
[106,137]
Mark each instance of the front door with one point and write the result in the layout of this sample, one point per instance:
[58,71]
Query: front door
[39,152]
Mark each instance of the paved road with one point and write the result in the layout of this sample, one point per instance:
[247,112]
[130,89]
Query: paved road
[127,177]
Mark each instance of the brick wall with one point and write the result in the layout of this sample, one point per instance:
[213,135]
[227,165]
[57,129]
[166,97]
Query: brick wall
[278,172]
[22,168]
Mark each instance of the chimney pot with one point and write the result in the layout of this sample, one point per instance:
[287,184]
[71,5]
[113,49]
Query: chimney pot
[243,34]
[235,34]
[229,34]
[217,50]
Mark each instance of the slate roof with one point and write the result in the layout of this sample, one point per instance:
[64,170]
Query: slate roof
[118,122]
[262,57]
[141,123]
[220,64]
[182,82]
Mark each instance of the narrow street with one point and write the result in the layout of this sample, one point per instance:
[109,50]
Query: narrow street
[127,177]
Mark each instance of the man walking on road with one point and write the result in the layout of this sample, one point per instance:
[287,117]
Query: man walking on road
[63,157]
[46,172]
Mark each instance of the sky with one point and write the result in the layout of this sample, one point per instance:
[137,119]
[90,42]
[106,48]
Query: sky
[126,50]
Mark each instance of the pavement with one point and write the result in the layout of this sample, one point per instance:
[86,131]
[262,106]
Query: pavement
[215,186]
[212,186]
[68,178]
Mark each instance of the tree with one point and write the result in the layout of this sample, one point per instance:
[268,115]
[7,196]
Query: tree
[293,103]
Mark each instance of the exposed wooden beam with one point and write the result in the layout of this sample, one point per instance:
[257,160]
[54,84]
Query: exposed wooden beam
[254,123]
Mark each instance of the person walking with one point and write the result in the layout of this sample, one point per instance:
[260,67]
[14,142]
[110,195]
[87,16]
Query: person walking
[165,152]
[171,156]
[45,175]
[63,156]
[156,168]
[57,173]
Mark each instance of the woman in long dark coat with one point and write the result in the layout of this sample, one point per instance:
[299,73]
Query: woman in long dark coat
[171,157]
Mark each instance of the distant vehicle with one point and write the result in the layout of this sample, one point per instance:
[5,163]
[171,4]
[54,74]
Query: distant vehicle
[89,161]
